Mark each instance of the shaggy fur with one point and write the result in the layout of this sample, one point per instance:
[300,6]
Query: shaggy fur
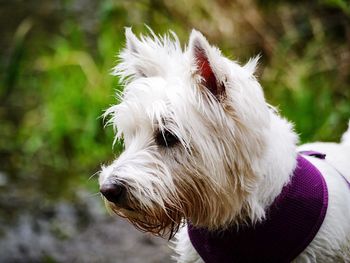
[231,153]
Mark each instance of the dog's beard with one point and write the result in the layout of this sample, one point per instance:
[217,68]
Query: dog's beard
[196,198]
[160,221]
[189,202]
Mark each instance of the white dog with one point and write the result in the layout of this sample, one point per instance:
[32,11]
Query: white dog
[207,158]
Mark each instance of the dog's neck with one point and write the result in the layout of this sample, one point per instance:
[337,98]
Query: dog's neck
[275,166]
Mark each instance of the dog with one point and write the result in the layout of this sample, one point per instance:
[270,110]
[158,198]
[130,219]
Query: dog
[209,162]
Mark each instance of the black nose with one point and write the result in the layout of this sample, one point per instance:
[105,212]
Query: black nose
[114,192]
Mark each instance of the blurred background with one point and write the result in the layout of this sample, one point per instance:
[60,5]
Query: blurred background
[55,82]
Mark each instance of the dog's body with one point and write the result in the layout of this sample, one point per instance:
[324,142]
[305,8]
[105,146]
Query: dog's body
[332,242]
[201,144]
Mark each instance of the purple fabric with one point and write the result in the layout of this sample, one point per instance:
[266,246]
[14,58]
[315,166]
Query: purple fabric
[291,223]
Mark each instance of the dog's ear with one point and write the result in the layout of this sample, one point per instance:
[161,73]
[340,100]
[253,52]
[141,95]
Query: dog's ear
[202,55]
[251,65]
[132,41]
[132,55]
[135,59]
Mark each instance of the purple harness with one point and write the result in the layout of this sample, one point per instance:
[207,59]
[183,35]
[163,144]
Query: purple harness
[292,221]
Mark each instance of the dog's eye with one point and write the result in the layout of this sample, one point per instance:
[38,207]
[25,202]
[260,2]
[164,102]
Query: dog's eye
[166,138]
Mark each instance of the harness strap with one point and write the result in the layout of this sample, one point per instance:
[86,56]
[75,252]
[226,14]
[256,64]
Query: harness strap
[314,154]
[323,157]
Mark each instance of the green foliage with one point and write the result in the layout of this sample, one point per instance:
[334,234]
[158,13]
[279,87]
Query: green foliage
[344,5]
[58,99]
[308,84]
[56,85]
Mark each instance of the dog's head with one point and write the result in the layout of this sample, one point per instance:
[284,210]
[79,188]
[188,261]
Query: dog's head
[193,125]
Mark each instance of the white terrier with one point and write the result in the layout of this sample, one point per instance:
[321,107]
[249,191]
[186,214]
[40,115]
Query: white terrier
[207,158]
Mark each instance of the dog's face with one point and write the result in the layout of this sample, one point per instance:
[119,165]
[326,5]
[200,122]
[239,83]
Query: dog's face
[192,125]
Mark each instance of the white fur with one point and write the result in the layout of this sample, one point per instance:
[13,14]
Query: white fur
[239,145]
[332,243]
